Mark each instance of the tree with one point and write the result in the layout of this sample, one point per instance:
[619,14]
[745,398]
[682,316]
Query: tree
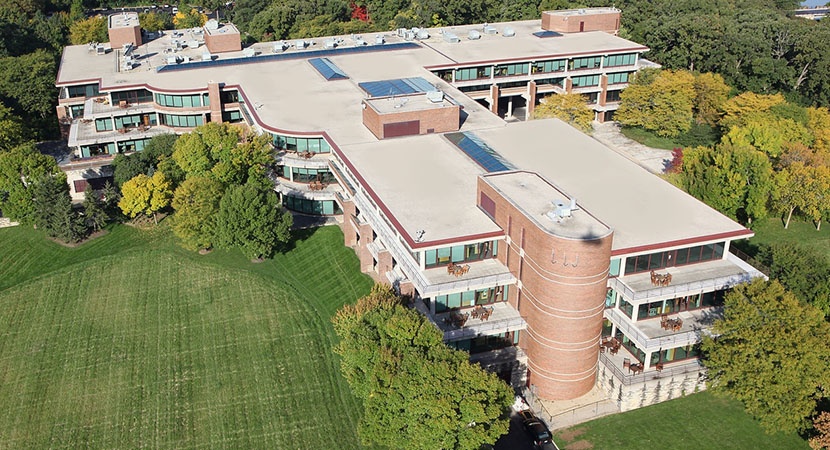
[737,109]
[416,392]
[93,29]
[736,181]
[12,131]
[251,219]
[154,22]
[711,93]
[196,203]
[127,167]
[94,213]
[818,122]
[802,270]
[790,189]
[816,203]
[189,19]
[27,85]
[198,151]
[53,210]
[571,108]
[770,352]
[822,426]
[767,133]
[19,167]
[663,106]
[147,195]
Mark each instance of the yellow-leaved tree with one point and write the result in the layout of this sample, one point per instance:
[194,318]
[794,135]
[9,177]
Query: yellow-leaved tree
[662,104]
[93,29]
[148,195]
[570,108]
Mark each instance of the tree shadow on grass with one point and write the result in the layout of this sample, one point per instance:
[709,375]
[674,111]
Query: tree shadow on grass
[297,236]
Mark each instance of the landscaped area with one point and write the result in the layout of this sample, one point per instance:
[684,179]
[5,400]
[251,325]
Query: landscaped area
[129,341]
[698,421]
[802,232]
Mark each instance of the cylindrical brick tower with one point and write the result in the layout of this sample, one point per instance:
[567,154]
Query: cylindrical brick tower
[560,254]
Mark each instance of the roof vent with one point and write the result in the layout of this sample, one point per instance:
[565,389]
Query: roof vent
[473,35]
[508,32]
[561,211]
[435,96]
[379,39]
[490,29]
[212,25]
[249,52]
[423,34]
[279,47]
[206,56]
[451,38]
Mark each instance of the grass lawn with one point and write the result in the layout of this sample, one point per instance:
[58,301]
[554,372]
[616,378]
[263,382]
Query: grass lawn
[699,421]
[129,341]
[801,232]
[649,139]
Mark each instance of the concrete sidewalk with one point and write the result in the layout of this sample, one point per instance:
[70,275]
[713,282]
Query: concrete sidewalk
[652,159]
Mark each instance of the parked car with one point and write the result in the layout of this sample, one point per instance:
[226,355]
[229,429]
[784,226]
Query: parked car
[538,431]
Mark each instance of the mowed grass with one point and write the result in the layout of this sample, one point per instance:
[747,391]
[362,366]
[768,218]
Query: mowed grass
[129,341]
[801,232]
[699,421]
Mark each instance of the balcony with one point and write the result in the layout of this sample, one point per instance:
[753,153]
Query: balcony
[687,280]
[303,159]
[648,335]
[327,191]
[504,318]
[83,132]
[481,274]
[614,363]
[98,107]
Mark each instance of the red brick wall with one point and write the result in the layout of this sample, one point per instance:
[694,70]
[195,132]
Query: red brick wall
[562,299]
[439,120]
[215,102]
[120,36]
[226,42]
[592,21]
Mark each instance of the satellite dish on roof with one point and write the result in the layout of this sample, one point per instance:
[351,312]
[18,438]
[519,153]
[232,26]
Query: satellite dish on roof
[212,24]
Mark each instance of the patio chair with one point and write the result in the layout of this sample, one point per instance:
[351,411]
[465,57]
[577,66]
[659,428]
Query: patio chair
[627,364]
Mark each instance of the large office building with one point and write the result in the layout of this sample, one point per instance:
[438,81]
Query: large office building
[551,259]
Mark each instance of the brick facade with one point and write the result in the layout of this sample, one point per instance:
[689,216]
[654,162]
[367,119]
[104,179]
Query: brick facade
[431,120]
[575,21]
[224,39]
[561,295]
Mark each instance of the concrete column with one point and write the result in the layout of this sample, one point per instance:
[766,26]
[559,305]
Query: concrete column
[349,238]
[569,85]
[603,83]
[494,99]
[647,362]
[509,107]
[215,102]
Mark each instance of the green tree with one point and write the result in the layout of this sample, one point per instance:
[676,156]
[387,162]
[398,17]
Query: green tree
[27,85]
[196,203]
[767,133]
[736,181]
[818,122]
[790,189]
[12,130]
[663,106]
[127,167]
[570,108]
[198,151]
[738,109]
[802,270]
[417,393]
[19,167]
[251,220]
[189,19]
[154,22]
[93,29]
[147,195]
[770,352]
[53,210]
[94,213]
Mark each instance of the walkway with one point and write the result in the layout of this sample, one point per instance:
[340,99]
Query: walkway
[652,159]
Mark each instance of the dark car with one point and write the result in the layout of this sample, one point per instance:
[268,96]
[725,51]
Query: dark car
[534,427]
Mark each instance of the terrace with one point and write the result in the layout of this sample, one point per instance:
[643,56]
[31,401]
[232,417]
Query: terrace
[502,318]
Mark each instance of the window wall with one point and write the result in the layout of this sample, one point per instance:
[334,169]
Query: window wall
[468,299]
[172,120]
[683,256]
[183,101]
[97,149]
[303,175]
[586,80]
[510,70]
[590,62]
[76,111]
[314,207]
[232,116]
[103,124]
[612,96]
[549,66]
[135,145]
[487,343]
[135,120]
[618,78]
[620,60]
[87,90]
[301,144]
[133,96]
[473,73]
[460,253]
[229,96]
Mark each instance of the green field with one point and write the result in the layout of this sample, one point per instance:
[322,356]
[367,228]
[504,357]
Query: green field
[801,232]
[699,421]
[129,341]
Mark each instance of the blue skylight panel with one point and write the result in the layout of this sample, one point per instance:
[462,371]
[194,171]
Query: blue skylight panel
[400,86]
[479,152]
[546,34]
[328,69]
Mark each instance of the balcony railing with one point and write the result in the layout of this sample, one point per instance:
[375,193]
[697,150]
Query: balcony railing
[647,343]
[670,371]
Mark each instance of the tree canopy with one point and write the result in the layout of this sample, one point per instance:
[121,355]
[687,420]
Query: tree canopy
[19,168]
[570,108]
[417,393]
[770,352]
[251,220]
[145,195]
[53,210]
[93,29]
[196,202]
[662,104]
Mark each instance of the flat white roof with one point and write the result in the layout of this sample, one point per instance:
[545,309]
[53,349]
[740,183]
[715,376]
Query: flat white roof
[126,19]
[643,209]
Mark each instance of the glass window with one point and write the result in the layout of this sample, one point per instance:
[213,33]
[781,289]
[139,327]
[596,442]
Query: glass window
[591,62]
[549,66]
[430,257]
[620,60]
[509,70]
[103,124]
[618,78]
[457,253]
[454,300]
[444,255]
[614,269]
[586,80]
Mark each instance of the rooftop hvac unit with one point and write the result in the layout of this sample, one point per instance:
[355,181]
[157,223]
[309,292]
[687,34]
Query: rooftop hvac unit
[206,56]
[473,35]
[508,32]
[451,38]
[435,96]
[329,43]
[100,50]
[193,44]
[279,47]
[379,39]
[212,24]
[423,33]
[490,30]
[409,35]
[249,52]
[400,32]
[359,42]
[299,44]
[172,60]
